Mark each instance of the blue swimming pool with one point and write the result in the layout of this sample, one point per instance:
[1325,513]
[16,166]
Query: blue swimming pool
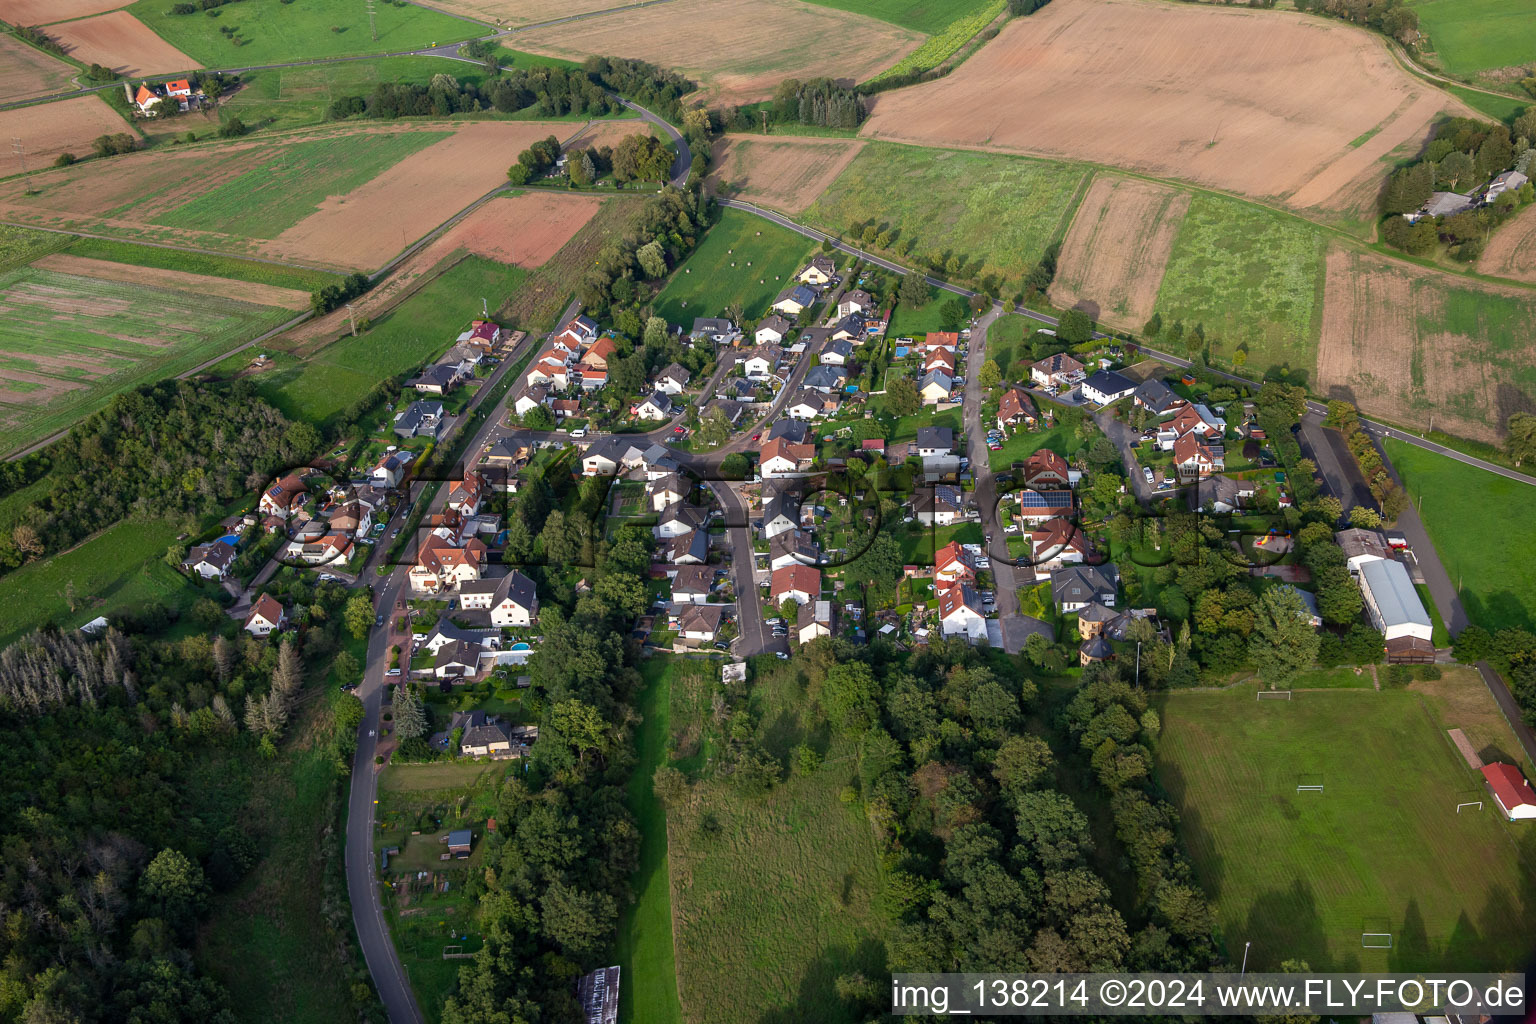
[520,646]
[232,539]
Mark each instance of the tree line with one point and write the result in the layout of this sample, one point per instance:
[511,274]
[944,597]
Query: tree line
[177,449]
[819,101]
[547,91]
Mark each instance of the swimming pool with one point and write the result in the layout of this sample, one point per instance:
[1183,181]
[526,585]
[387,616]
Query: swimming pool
[232,539]
[520,646]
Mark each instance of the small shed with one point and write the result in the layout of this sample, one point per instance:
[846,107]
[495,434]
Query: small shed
[459,841]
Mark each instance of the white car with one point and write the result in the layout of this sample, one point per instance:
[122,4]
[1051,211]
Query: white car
[1146,471]
[1011,528]
[579,433]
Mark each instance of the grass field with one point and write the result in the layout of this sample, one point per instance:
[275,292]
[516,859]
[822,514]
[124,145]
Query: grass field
[783,896]
[418,329]
[995,214]
[644,949]
[70,342]
[302,278]
[707,282]
[288,97]
[946,42]
[20,246]
[1061,439]
[265,201]
[1302,875]
[928,16]
[121,568]
[1475,35]
[1500,108]
[271,31]
[1252,276]
[1478,522]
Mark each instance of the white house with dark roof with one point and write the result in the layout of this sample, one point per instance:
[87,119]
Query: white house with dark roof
[772,330]
[210,561]
[656,406]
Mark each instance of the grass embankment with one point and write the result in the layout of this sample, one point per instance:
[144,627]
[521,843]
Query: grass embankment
[1303,874]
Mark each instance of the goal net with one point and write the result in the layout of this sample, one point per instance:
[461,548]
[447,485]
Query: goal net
[1309,784]
[1274,695]
[1376,933]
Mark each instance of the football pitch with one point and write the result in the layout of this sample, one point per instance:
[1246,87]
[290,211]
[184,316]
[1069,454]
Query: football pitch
[1381,848]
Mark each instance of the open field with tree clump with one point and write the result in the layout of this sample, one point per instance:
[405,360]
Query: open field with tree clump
[1474,518]
[1477,35]
[279,98]
[781,173]
[75,332]
[744,260]
[26,71]
[1158,84]
[737,50]
[776,895]
[1406,343]
[1112,261]
[993,214]
[46,130]
[1251,276]
[271,31]
[1302,875]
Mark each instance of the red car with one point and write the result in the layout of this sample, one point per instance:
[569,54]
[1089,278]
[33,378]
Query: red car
[757,435]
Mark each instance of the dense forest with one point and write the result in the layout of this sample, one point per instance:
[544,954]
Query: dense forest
[173,449]
[124,767]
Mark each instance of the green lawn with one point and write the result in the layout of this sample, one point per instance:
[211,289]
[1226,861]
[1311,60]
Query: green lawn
[1302,875]
[1251,276]
[1476,35]
[301,278]
[1062,439]
[288,97]
[928,16]
[918,546]
[271,31]
[708,282]
[995,214]
[119,569]
[782,895]
[912,321]
[68,343]
[269,199]
[417,330]
[1470,515]
[1500,108]
[644,948]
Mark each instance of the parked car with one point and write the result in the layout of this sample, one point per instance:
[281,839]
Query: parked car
[393,672]
[1011,528]
[1146,471]
[378,620]
[721,645]
[781,655]
[579,433]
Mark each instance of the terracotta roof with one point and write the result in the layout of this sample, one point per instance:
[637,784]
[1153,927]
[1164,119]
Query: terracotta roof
[782,447]
[266,607]
[1044,461]
[953,598]
[1015,403]
[802,578]
[1509,786]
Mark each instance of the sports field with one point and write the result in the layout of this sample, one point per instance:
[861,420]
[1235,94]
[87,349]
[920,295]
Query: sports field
[995,214]
[73,336]
[1251,276]
[1302,875]
[1476,35]
[271,31]
[743,259]
[1406,343]
[1478,521]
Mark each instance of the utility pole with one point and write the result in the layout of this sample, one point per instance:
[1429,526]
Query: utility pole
[352,316]
[1245,959]
[485,309]
[20,150]
[372,27]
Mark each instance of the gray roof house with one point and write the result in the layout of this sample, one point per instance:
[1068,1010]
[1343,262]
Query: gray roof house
[1078,586]
[825,378]
[716,329]
[420,419]
[792,430]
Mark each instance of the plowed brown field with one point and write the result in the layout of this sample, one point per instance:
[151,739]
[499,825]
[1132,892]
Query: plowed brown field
[738,50]
[1406,342]
[783,173]
[1259,102]
[1112,262]
[244,291]
[121,42]
[1511,252]
[40,12]
[26,72]
[49,129]
[521,12]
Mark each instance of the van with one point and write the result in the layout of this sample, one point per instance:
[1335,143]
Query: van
[579,433]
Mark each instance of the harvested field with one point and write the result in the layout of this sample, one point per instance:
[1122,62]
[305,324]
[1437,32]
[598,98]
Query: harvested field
[1511,252]
[520,12]
[738,50]
[1112,262]
[523,230]
[41,12]
[608,132]
[785,174]
[67,126]
[241,291]
[368,225]
[1164,94]
[1406,342]
[121,42]
[26,72]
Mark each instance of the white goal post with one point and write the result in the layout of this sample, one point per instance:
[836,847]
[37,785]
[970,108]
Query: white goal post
[1376,940]
[1469,803]
[1274,695]
[1309,784]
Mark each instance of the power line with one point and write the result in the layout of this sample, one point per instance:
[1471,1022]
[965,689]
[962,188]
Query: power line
[20,149]
[372,27]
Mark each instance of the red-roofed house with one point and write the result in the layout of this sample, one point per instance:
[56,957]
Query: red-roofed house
[279,499]
[598,355]
[940,359]
[936,340]
[1014,408]
[1044,470]
[1194,457]
[952,563]
[1058,542]
[800,582]
[960,612]
[1511,790]
[464,494]
[441,566]
[780,458]
[267,616]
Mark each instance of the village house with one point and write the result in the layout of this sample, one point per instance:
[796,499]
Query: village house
[953,564]
[530,398]
[590,378]
[1194,457]
[935,442]
[1057,370]
[484,335]
[794,300]
[717,330]
[780,458]
[819,271]
[792,547]
[680,518]
[1037,506]
[940,359]
[960,612]
[836,353]
[690,548]
[809,404]
[781,512]
[816,619]
[935,387]
[664,491]
[1511,790]
[1077,586]
[1222,494]
[1157,398]
[1058,542]
[512,599]
[673,380]
[420,419]
[210,561]
[440,566]
[598,355]
[549,367]
[826,378]
[391,468]
[564,408]
[280,498]
[800,583]
[699,623]
[266,616]
[1015,408]
[438,379]
[1095,649]
[1107,386]
[939,341]
[580,332]
[853,328]
[479,736]
[940,506]
[855,300]
[1392,602]
[732,411]
[655,407]
[1045,470]
[692,584]
[759,363]
[772,330]
[1509,181]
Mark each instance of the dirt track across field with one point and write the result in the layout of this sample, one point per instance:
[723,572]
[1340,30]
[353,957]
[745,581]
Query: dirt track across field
[46,130]
[202,284]
[1113,259]
[121,42]
[1511,251]
[365,227]
[738,50]
[780,172]
[1260,102]
[26,72]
